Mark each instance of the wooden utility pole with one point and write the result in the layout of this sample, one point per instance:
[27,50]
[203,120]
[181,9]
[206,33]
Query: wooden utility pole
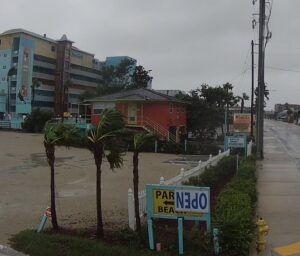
[252,85]
[261,83]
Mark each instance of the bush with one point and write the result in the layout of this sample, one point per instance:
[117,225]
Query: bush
[36,121]
[235,221]
[235,209]
[215,174]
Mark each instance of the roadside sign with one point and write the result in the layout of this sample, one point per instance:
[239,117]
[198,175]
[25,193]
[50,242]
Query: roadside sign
[236,142]
[189,200]
[171,202]
[242,122]
[177,202]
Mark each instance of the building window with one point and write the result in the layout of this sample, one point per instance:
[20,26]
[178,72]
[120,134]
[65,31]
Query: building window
[182,109]
[171,108]
[0,41]
[4,55]
[178,107]
[53,48]
[98,111]
[4,67]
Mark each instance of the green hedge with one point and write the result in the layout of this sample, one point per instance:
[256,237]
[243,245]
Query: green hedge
[215,175]
[235,208]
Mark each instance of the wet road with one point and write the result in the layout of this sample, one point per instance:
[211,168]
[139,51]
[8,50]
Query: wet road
[279,182]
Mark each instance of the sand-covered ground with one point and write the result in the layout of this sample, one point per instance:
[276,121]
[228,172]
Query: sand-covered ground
[25,184]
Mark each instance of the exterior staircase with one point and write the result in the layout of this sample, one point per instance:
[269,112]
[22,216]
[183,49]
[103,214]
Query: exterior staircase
[152,126]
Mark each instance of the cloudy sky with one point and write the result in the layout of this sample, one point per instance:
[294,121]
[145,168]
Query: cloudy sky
[185,42]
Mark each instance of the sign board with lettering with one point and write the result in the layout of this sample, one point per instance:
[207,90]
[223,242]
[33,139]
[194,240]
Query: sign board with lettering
[242,122]
[172,202]
[177,202]
[236,141]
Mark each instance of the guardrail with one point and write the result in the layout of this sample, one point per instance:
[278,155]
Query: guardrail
[177,180]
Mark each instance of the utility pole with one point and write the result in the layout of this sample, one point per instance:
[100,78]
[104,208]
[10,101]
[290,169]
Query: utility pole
[261,83]
[252,85]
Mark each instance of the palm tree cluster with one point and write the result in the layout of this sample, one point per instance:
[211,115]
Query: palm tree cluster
[102,142]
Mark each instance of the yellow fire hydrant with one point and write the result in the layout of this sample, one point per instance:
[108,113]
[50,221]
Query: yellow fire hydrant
[262,231]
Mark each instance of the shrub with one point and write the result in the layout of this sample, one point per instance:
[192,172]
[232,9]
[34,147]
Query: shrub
[215,174]
[36,121]
[235,220]
[235,208]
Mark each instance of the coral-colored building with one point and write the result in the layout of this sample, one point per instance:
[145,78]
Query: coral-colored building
[145,109]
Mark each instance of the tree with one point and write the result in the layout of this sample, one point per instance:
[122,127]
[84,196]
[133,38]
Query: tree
[35,84]
[109,127]
[56,134]
[141,77]
[206,108]
[139,140]
[242,99]
[36,120]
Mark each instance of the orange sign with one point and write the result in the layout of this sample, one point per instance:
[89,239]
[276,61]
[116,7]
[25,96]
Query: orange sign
[242,122]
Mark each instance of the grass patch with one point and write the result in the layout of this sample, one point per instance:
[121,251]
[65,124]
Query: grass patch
[47,244]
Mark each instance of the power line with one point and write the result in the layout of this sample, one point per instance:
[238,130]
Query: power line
[283,69]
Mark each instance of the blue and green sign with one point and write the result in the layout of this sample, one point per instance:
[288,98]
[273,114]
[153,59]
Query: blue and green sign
[237,140]
[177,202]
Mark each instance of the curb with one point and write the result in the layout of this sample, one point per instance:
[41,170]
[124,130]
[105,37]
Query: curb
[6,251]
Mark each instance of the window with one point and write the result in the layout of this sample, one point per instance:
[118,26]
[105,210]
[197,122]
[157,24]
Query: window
[98,111]
[53,48]
[171,108]
[0,41]
[4,55]
[4,67]
[182,108]
[178,107]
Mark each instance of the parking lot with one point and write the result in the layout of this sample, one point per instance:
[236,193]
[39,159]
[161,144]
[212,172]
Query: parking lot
[25,184]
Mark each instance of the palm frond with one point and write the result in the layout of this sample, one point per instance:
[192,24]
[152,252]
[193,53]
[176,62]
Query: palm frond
[140,139]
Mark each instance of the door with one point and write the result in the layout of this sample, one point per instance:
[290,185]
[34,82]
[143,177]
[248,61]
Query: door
[132,113]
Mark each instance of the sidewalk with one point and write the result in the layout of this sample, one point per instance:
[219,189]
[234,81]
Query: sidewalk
[279,192]
[5,251]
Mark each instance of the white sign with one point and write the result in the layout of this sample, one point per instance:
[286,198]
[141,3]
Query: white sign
[192,201]
[236,142]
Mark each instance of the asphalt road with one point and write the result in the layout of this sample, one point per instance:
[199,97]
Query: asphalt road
[279,183]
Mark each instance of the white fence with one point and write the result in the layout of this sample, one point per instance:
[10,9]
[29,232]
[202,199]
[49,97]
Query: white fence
[249,148]
[177,180]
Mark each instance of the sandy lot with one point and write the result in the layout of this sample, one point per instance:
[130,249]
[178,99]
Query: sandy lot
[25,184]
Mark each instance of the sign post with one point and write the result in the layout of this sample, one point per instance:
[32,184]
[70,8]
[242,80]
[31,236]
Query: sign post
[179,203]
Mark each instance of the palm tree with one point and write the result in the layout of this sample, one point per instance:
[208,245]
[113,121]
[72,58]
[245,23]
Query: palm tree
[139,140]
[109,128]
[35,84]
[57,134]
[242,99]
[50,139]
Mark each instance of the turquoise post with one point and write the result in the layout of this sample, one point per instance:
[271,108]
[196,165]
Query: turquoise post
[42,223]
[150,234]
[216,241]
[180,235]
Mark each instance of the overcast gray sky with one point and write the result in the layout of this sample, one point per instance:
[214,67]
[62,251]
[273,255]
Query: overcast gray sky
[185,43]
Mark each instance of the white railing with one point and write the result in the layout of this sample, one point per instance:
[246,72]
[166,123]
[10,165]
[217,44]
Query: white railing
[158,129]
[249,148]
[177,180]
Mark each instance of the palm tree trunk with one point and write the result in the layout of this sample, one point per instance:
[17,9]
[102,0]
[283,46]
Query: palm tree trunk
[98,160]
[136,191]
[52,189]
[242,106]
